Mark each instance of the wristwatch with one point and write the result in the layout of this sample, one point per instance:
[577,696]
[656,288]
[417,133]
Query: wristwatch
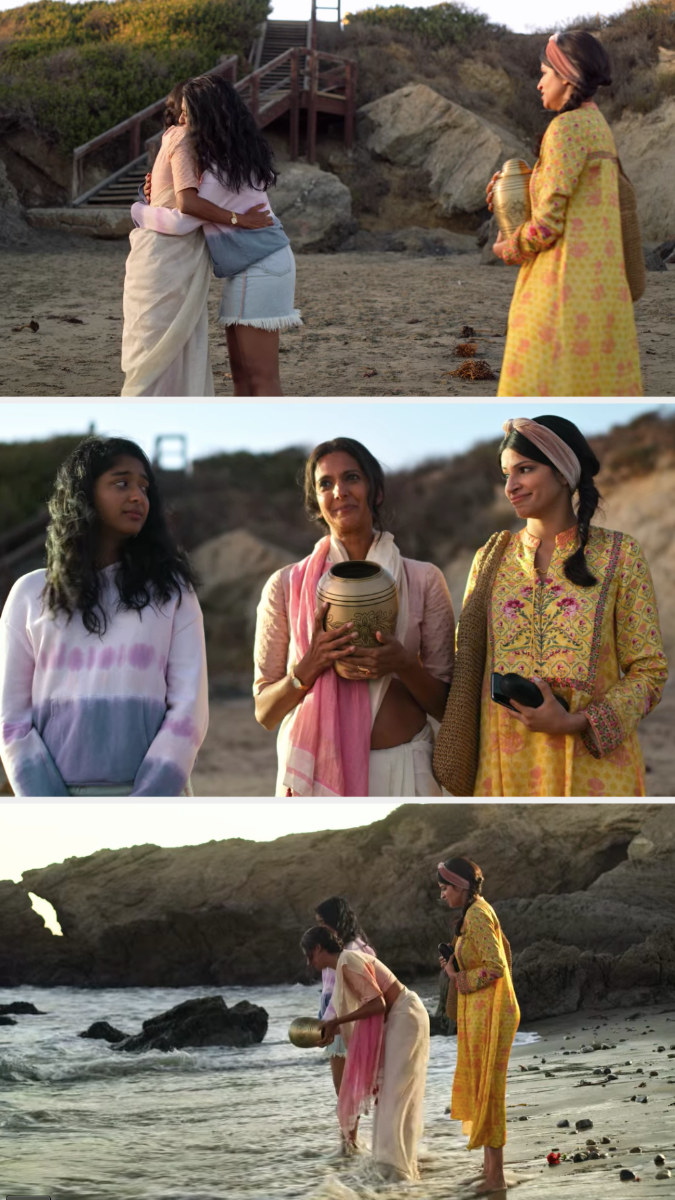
[301,687]
[234,220]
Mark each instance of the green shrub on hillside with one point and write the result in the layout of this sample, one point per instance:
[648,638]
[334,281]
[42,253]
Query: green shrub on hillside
[70,71]
[440,24]
[27,474]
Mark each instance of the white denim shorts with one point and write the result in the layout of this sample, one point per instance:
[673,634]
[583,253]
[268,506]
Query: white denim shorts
[263,295]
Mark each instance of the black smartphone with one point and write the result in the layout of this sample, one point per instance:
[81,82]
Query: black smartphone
[445,951]
[508,687]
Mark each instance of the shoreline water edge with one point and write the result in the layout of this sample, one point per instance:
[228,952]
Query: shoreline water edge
[79,1122]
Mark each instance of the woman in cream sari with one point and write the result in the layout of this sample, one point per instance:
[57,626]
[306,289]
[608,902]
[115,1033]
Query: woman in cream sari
[367,734]
[386,1031]
[215,152]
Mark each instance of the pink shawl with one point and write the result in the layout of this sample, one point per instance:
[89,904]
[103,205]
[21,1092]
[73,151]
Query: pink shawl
[329,742]
[365,1044]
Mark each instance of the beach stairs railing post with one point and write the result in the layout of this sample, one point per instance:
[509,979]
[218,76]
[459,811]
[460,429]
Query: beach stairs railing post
[298,77]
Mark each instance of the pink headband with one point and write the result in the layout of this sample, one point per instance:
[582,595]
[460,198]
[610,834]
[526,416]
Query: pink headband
[450,877]
[560,62]
[551,445]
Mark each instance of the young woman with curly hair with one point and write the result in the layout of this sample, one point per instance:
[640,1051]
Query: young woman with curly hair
[571,329]
[482,998]
[571,607]
[102,661]
[208,185]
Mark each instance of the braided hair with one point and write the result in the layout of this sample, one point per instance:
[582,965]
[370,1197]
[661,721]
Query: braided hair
[340,918]
[576,567]
[591,60]
[474,876]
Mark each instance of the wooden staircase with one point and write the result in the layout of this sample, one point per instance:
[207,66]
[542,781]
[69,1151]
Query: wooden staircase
[291,76]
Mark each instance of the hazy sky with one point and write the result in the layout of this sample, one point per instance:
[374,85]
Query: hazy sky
[521,15]
[398,433]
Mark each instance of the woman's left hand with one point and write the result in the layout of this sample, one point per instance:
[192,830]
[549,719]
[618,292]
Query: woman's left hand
[550,717]
[499,246]
[257,217]
[390,657]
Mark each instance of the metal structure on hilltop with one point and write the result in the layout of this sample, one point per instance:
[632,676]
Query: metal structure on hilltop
[171,453]
[290,75]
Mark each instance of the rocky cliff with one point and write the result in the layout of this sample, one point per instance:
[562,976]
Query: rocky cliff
[586,894]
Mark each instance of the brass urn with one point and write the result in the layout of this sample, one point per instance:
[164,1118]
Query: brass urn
[362,592]
[511,196]
[305,1031]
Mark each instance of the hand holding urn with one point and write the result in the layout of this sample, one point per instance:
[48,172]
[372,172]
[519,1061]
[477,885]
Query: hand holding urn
[361,592]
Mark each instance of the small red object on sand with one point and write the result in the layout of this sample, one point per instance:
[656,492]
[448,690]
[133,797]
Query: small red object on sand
[553,1158]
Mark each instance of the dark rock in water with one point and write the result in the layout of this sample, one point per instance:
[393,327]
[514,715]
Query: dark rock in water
[21,1006]
[584,1123]
[8,1021]
[105,1031]
[659,1160]
[563,1124]
[204,1022]
[625,1175]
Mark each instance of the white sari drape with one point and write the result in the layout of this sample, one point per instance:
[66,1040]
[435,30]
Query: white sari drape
[165,347]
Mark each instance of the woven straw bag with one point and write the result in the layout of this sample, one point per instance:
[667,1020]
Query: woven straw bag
[457,743]
[631,234]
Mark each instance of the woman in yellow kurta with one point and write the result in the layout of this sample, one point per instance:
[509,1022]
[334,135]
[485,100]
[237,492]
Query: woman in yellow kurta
[487,1016]
[571,330]
[573,608]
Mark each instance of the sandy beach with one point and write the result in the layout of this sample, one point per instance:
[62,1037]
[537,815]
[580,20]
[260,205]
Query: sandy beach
[561,1078]
[375,324]
[239,758]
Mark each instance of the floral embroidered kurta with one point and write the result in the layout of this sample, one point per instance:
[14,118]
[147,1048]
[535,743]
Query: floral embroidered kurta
[487,1020]
[600,648]
[571,329]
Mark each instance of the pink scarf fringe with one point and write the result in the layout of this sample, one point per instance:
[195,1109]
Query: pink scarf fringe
[360,1080]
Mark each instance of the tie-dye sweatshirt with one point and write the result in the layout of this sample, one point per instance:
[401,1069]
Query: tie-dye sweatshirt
[79,710]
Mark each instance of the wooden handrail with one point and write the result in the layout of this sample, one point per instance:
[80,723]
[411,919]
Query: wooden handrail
[132,126]
[304,78]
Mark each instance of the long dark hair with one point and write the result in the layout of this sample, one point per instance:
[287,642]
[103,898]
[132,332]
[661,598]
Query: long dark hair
[591,60]
[474,876]
[339,916]
[318,935]
[224,136]
[576,567]
[151,569]
[368,464]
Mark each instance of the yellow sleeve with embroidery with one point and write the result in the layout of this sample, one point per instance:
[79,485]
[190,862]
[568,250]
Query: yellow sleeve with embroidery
[640,654]
[562,158]
[482,943]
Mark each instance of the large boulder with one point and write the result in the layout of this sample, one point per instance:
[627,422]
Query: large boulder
[457,151]
[108,223]
[203,1022]
[563,875]
[232,569]
[314,207]
[646,146]
[13,228]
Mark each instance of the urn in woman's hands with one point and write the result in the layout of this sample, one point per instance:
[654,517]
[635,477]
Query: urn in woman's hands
[362,592]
